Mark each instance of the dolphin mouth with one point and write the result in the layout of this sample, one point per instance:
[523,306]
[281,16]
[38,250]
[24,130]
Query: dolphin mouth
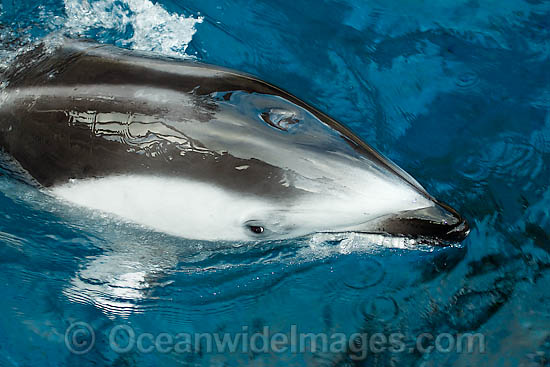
[438,225]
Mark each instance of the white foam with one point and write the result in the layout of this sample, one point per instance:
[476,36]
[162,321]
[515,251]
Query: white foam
[154,28]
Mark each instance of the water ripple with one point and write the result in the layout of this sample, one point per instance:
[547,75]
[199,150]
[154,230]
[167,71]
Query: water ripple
[467,80]
[508,157]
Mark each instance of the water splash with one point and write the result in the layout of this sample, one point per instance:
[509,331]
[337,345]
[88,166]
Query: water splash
[137,24]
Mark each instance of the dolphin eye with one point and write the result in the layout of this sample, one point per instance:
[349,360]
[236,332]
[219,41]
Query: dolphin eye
[256,229]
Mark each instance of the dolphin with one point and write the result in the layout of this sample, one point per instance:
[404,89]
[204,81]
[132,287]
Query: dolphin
[199,151]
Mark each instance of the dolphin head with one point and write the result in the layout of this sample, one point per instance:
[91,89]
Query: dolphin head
[259,166]
[321,177]
[208,153]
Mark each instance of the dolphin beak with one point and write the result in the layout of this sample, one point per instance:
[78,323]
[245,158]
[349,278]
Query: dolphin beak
[439,222]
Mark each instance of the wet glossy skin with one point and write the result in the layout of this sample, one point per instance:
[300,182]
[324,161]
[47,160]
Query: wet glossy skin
[90,111]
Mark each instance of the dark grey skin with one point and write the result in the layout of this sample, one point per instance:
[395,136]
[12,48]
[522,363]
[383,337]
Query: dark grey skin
[82,110]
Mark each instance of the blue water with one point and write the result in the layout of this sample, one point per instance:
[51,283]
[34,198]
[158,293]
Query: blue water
[456,92]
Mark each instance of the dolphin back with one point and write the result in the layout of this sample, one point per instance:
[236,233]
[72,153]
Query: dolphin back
[72,112]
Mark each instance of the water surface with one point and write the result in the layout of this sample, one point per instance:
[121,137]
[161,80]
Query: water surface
[456,92]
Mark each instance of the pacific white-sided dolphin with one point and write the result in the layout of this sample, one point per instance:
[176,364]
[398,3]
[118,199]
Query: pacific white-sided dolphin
[200,151]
